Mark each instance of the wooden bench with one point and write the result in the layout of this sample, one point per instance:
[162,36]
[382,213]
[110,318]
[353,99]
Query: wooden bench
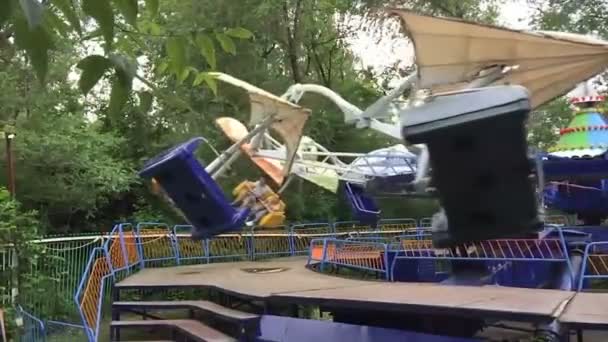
[247,323]
[193,330]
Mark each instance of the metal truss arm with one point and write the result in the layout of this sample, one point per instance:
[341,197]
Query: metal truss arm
[224,160]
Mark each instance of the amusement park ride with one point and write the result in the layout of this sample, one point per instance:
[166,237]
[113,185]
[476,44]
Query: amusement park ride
[576,168]
[468,90]
[465,143]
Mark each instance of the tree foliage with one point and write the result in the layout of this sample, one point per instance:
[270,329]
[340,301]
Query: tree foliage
[67,167]
[126,79]
[19,228]
[35,26]
[584,17]
[545,122]
[485,11]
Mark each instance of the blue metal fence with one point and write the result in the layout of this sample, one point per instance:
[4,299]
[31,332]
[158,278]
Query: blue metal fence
[32,328]
[189,251]
[268,243]
[62,331]
[419,247]
[361,255]
[150,244]
[156,244]
[303,233]
[595,263]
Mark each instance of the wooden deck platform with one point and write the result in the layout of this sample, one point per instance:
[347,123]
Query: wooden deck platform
[281,275]
[587,311]
[287,280]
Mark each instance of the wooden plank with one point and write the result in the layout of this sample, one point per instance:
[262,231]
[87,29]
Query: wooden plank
[202,305]
[486,301]
[289,281]
[193,329]
[290,274]
[587,311]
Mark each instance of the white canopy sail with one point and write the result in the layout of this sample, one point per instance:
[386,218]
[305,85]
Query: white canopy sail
[451,53]
[288,119]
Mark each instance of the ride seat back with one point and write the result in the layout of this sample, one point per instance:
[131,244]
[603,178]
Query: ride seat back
[193,190]
[478,153]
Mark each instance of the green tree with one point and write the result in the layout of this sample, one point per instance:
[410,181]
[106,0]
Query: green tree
[583,17]
[18,231]
[486,11]
[545,123]
[67,169]
[37,27]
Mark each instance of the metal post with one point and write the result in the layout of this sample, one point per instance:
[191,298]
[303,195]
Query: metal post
[220,171]
[10,163]
[540,174]
[222,158]
[379,108]
[285,184]
[14,276]
[115,332]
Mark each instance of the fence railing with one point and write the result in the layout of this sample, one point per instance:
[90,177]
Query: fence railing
[152,244]
[33,328]
[372,253]
[420,247]
[595,263]
[302,235]
[66,259]
[74,250]
[61,331]
[361,255]
[115,255]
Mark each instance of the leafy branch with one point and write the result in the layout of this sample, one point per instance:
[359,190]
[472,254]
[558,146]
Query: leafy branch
[36,25]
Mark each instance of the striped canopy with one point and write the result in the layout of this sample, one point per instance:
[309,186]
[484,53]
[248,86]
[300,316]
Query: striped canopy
[585,136]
